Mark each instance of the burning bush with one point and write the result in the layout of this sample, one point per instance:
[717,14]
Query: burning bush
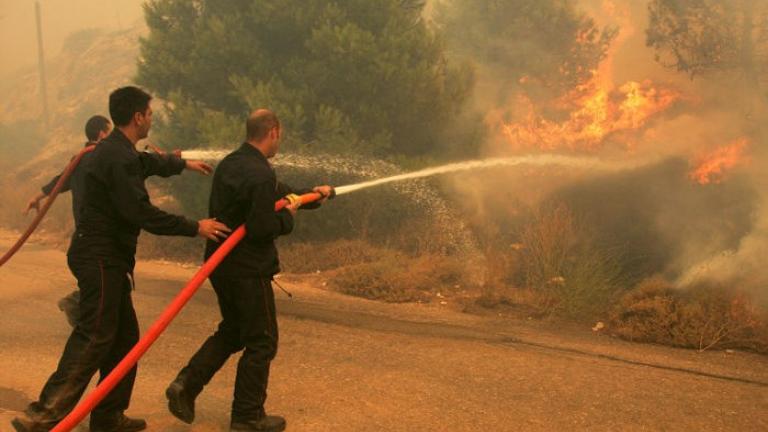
[658,220]
[700,318]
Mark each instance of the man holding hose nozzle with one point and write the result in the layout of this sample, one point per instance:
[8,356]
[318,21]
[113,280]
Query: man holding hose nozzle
[244,191]
[115,209]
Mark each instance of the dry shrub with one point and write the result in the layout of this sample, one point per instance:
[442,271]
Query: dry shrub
[511,301]
[700,318]
[310,257]
[171,248]
[504,285]
[560,262]
[399,278]
[549,240]
[359,268]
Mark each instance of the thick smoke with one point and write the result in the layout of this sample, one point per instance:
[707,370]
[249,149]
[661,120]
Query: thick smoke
[661,217]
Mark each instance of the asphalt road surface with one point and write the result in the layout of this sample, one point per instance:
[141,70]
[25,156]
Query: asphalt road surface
[347,364]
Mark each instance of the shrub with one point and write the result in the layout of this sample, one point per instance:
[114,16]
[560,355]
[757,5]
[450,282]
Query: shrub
[699,317]
[312,257]
[573,277]
[400,278]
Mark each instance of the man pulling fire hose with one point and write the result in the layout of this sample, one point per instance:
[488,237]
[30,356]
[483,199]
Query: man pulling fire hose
[42,416]
[96,129]
[115,208]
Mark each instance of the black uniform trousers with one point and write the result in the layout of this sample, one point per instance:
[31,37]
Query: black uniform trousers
[248,324]
[106,331]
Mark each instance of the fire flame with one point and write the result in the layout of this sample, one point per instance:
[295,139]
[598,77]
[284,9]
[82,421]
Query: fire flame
[595,113]
[712,167]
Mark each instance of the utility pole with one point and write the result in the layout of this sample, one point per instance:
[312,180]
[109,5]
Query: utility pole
[41,64]
[117,15]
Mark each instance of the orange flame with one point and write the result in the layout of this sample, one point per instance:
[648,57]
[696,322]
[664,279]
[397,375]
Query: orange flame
[712,167]
[595,114]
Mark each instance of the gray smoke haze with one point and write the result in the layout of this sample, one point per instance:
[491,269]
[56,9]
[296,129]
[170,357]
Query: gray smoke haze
[690,232]
[663,220]
[18,37]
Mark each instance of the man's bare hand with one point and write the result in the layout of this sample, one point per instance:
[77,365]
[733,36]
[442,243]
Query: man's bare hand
[324,190]
[34,203]
[293,207]
[212,229]
[199,166]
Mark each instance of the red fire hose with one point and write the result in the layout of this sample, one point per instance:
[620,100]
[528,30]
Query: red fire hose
[64,176]
[170,312]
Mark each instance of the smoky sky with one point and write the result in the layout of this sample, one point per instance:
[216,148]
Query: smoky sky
[18,37]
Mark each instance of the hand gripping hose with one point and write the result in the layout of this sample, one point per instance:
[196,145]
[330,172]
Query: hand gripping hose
[48,202]
[129,361]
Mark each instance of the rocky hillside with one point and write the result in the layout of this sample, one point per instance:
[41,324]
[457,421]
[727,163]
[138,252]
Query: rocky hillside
[91,64]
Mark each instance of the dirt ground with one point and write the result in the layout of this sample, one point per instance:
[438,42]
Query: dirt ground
[347,364]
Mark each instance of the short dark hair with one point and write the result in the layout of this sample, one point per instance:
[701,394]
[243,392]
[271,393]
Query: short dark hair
[125,102]
[96,125]
[260,123]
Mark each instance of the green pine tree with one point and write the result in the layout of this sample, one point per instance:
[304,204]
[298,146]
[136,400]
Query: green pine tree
[360,76]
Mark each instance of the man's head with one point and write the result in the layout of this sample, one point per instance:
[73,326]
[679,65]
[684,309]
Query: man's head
[130,111]
[263,131]
[97,128]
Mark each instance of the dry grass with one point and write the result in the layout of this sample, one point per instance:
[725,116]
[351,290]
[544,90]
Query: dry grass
[311,257]
[178,249]
[554,269]
[550,268]
[701,318]
[400,278]
[356,267]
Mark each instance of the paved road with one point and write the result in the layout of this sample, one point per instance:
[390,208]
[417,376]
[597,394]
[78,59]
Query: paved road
[347,364]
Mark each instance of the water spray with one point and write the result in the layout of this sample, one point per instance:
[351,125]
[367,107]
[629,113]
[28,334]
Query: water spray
[532,160]
[170,312]
[211,155]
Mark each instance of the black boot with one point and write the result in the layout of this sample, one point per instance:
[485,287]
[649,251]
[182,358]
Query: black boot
[264,424]
[116,423]
[180,402]
[24,424]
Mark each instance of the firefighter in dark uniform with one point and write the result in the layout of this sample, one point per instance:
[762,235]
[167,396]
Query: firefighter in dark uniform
[244,191]
[96,129]
[115,208]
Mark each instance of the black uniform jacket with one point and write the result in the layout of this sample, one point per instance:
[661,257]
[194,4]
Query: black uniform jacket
[115,202]
[74,183]
[244,191]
